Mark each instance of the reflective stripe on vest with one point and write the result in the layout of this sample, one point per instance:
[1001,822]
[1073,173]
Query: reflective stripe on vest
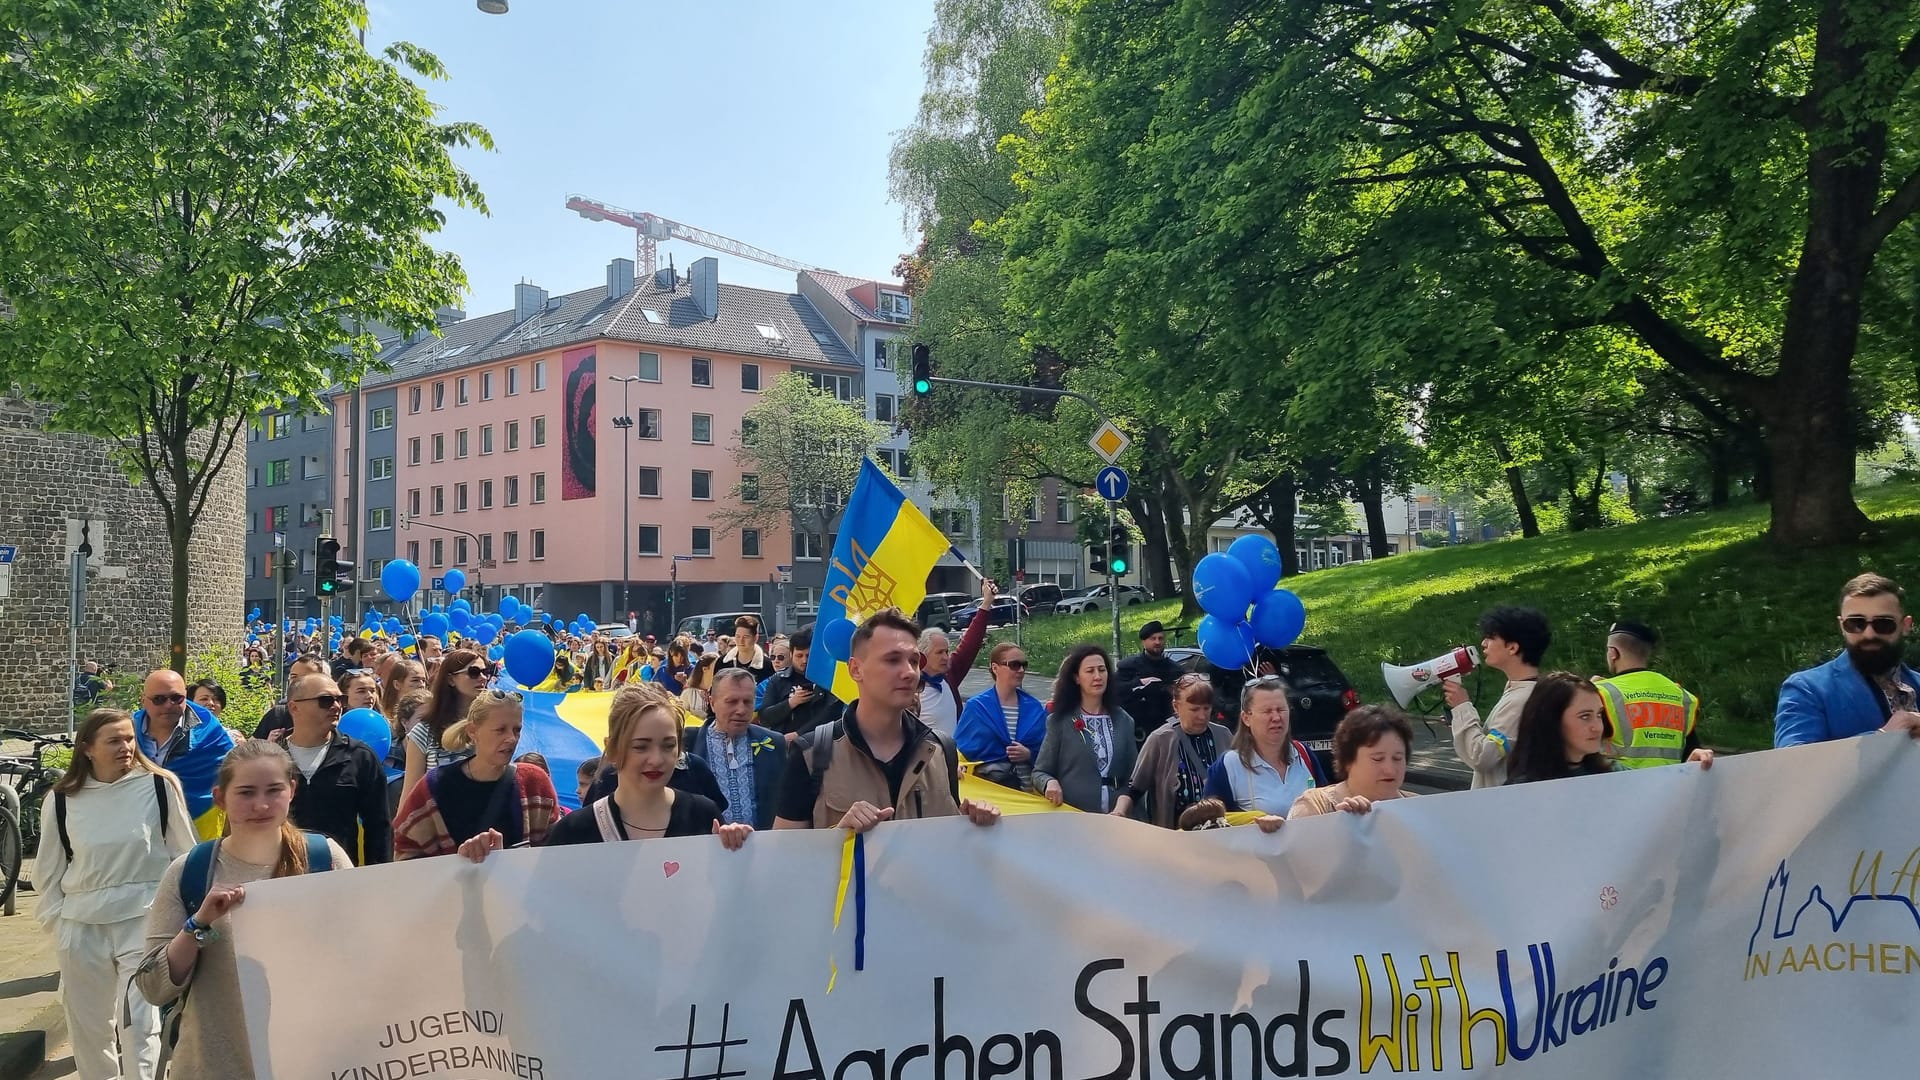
[1651,718]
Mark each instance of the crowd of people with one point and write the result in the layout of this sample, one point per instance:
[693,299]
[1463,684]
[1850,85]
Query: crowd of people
[725,739]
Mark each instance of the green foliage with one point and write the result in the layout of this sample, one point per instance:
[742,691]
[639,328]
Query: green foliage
[1736,614]
[804,453]
[205,205]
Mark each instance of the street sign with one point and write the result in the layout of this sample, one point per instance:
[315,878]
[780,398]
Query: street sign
[786,574]
[1109,442]
[1112,483]
[7,553]
[438,584]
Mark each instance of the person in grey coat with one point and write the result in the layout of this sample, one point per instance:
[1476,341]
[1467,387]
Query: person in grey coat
[1087,757]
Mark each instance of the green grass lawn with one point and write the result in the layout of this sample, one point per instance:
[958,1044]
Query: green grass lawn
[1735,616]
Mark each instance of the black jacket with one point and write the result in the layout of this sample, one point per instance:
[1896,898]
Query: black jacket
[1152,703]
[348,794]
[761,672]
[775,713]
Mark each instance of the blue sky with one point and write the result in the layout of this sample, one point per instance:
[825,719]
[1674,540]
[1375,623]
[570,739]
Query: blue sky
[765,121]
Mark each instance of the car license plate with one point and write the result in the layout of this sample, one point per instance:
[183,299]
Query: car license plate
[1320,744]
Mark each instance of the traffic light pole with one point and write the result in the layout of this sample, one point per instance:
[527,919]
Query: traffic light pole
[1113,588]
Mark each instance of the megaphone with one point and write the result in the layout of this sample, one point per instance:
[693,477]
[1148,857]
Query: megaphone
[1406,683]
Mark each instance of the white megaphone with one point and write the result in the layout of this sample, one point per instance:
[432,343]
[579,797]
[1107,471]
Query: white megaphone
[1406,683]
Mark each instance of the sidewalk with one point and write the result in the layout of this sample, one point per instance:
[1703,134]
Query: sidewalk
[30,997]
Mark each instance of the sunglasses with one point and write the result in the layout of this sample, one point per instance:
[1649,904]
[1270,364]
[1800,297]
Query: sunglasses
[1014,665]
[326,701]
[168,699]
[505,695]
[476,671]
[1884,625]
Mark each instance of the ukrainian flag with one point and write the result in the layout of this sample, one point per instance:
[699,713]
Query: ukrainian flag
[886,549]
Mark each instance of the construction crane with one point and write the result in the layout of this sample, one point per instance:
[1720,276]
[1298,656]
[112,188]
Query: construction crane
[650,229]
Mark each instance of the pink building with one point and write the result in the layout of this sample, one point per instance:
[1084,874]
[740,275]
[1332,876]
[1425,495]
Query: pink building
[505,459]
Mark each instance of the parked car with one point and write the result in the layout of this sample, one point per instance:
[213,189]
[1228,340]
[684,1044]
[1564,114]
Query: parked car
[1001,615]
[1040,598]
[1095,599]
[720,622]
[954,601]
[934,611]
[615,630]
[1321,693]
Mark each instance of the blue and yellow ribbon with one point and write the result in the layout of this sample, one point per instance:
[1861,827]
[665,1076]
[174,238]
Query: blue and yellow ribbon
[853,871]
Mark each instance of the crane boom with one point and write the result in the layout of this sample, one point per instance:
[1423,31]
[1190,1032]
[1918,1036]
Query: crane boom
[650,229]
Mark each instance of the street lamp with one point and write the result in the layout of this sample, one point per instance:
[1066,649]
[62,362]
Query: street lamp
[625,423]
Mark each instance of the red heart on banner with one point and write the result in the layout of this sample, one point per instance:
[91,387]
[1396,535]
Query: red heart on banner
[671,868]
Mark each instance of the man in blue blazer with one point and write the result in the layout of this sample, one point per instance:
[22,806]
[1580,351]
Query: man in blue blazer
[746,759]
[1865,689]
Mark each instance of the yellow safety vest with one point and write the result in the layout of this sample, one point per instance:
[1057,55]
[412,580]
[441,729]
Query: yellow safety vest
[1651,718]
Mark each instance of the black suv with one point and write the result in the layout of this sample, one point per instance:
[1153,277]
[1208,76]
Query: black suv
[1321,693]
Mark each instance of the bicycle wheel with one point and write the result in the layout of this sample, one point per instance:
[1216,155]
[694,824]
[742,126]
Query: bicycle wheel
[10,855]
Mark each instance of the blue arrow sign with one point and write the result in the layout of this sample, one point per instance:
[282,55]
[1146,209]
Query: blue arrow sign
[1112,483]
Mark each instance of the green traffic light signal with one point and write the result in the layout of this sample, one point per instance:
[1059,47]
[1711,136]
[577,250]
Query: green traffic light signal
[922,371]
[1119,566]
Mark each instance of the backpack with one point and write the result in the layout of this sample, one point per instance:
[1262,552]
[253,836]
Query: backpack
[817,747]
[60,814]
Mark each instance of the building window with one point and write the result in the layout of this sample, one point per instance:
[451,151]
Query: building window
[439,395]
[279,426]
[253,430]
[486,386]
[540,383]
[312,468]
[312,423]
[486,548]
[460,395]
[539,431]
[1033,508]
[439,446]
[807,547]
[646,423]
[702,371]
[538,540]
[750,543]
[649,367]
[840,386]
[702,484]
[413,502]
[513,491]
[649,539]
[884,407]
[413,552]
[413,450]
[513,540]
[277,518]
[460,551]
[749,376]
[895,306]
[750,597]
[749,431]
[439,553]
[380,419]
[380,519]
[649,483]
[702,540]
[413,399]
[539,487]
[513,434]
[513,381]
[702,428]
[486,438]
[881,362]
[439,499]
[1062,509]
[749,487]
[279,472]
[460,443]
[486,494]
[380,468]
[460,498]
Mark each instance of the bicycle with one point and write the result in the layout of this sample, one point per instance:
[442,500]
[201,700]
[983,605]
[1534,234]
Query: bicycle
[25,780]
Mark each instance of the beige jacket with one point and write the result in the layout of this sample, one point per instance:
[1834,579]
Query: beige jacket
[1485,746]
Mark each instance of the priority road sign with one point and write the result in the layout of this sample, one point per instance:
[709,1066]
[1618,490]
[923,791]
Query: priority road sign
[1109,442]
[1112,483]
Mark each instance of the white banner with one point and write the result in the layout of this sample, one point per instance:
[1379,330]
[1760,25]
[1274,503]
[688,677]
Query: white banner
[1757,920]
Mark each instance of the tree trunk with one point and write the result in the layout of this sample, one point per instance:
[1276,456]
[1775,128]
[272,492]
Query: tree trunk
[1517,488]
[1373,505]
[1720,475]
[1156,568]
[180,539]
[1274,508]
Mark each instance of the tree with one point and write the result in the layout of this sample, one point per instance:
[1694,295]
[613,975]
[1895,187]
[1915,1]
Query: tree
[799,449]
[203,203]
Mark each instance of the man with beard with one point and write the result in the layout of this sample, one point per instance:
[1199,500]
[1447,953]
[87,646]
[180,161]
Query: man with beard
[1652,721]
[1147,678]
[1866,688]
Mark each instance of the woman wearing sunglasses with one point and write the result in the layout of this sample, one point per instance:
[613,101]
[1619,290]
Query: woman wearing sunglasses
[1001,729]
[457,681]
[485,801]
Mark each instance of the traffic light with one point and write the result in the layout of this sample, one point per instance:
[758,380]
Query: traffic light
[331,576]
[1097,558]
[1117,550]
[922,371]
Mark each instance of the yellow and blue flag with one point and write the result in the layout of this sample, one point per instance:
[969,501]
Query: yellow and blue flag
[885,551]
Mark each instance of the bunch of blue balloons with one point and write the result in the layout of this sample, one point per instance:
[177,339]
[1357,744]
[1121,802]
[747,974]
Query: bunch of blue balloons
[1244,609]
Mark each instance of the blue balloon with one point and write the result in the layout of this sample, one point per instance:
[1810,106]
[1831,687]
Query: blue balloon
[529,656]
[1225,644]
[455,580]
[546,619]
[460,620]
[509,606]
[405,641]
[497,652]
[400,579]
[435,625]
[370,728]
[336,620]
[838,638]
[1278,618]
[1222,587]
[391,626]
[461,604]
[1260,558]
[371,619]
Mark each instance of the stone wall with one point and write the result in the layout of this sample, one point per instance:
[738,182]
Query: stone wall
[49,483]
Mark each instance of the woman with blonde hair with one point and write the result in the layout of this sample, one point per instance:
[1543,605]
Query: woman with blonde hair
[108,830]
[484,801]
[699,685]
[255,789]
[404,677]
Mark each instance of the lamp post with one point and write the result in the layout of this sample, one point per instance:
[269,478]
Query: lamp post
[625,423]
